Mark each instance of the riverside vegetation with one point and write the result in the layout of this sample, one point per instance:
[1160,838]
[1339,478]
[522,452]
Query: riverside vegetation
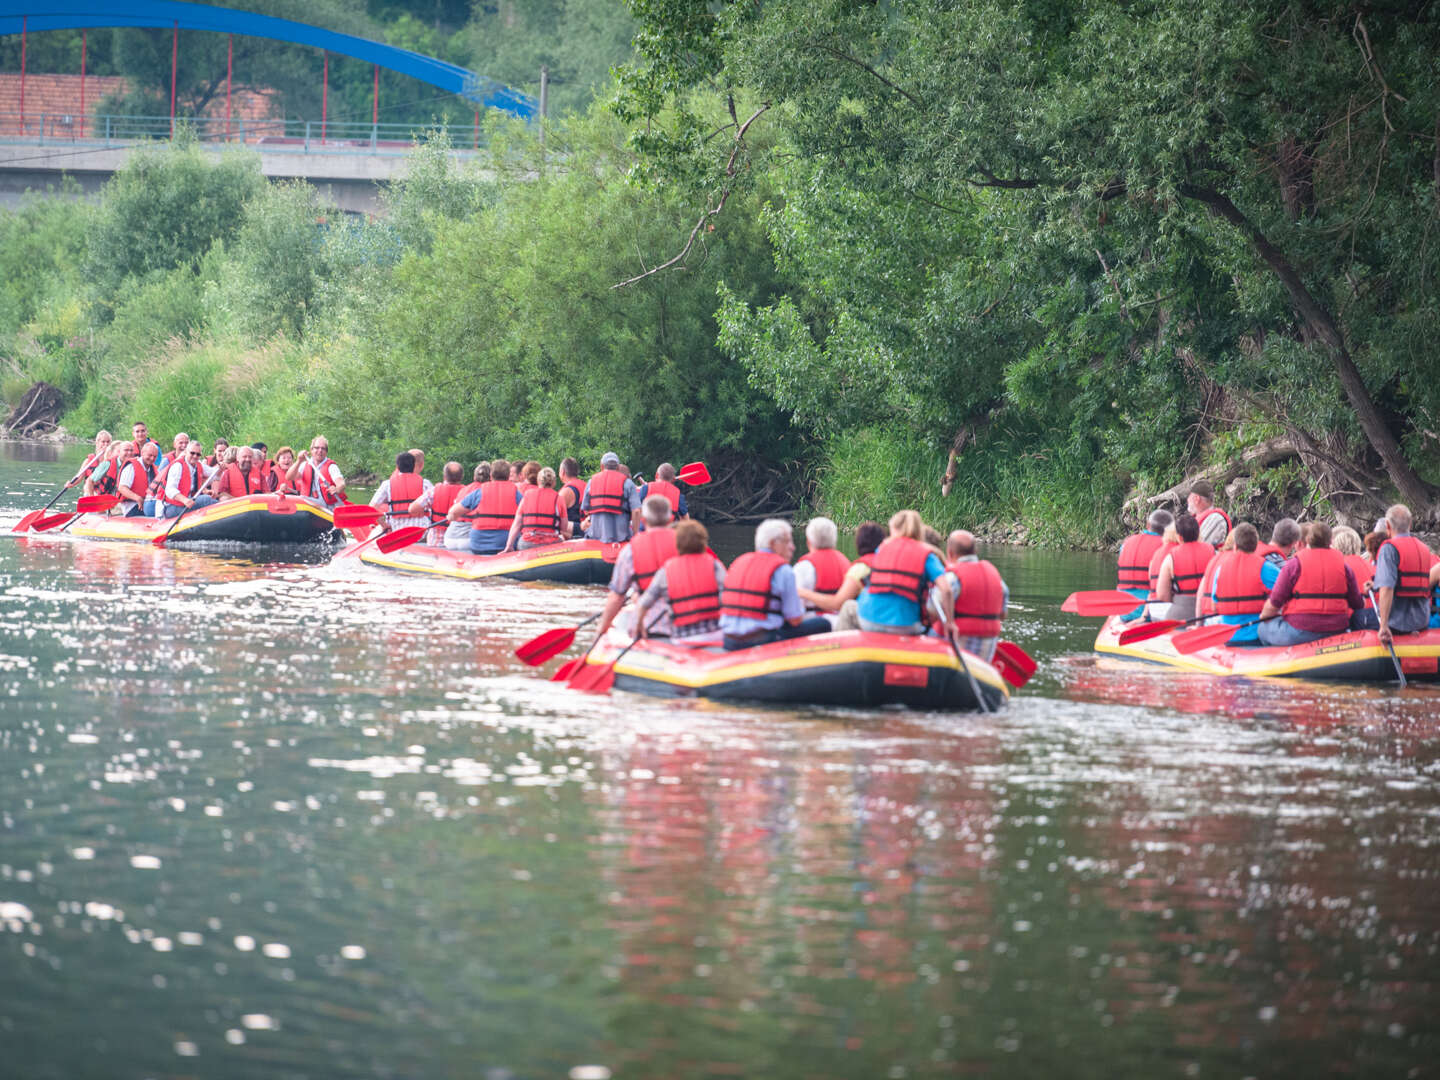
[1072,251]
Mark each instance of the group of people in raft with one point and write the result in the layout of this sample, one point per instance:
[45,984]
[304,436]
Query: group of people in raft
[150,482]
[906,580]
[1308,582]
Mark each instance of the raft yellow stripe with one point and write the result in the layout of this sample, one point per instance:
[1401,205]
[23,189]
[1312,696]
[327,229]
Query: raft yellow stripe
[1299,666]
[221,511]
[800,661]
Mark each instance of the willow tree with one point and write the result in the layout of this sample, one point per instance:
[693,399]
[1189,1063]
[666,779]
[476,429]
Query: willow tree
[1248,188]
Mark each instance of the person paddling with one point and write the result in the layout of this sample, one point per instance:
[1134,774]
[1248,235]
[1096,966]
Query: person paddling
[1236,583]
[1402,581]
[136,477]
[1136,551]
[1214,522]
[638,561]
[982,598]
[183,482]
[457,531]
[1313,596]
[1182,569]
[894,600]
[316,476]
[663,484]
[610,499]
[435,502]
[690,584]
[399,491]
[104,478]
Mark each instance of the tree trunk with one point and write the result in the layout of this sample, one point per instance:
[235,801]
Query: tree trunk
[1322,327]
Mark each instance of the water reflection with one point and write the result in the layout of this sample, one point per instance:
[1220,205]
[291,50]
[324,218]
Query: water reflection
[259,818]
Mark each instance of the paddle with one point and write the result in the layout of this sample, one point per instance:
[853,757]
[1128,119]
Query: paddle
[1100,602]
[1145,631]
[1389,645]
[33,516]
[387,542]
[1191,641]
[694,474]
[96,504]
[551,643]
[974,686]
[598,680]
[159,541]
[349,515]
[1015,664]
[47,523]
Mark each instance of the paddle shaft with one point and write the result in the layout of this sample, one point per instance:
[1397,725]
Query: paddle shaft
[159,541]
[974,686]
[1389,645]
[609,671]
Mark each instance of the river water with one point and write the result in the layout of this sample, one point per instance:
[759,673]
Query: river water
[284,819]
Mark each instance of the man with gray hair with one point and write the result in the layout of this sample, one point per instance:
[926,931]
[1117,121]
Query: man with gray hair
[637,563]
[1284,539]
[759,604]
[822,567]
[610,499]
[1136,553]
[981,597]
[1402,581]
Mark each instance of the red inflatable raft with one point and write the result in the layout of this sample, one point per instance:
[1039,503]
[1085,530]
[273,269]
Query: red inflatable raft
[1355,656]
[252,519]
[571,562]
[852,668]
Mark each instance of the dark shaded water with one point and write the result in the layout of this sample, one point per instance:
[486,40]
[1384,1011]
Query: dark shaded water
[286,820]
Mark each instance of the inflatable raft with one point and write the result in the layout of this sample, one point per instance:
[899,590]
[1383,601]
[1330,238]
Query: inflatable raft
[852,668]
[253,519]
[571,562]
[1355,656]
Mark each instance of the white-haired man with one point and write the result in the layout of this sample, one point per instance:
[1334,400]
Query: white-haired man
[759,603]
[638,561]
[1402,581]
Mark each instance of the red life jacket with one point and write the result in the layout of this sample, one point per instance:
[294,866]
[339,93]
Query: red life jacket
[266,469]
[140,477]
[405,488]
[1263,549]
[107,484]
[1134,561]
[1153,571]
[496,508]
[441,499]
[1215,510]
[690,583]
[868,559]
[1321,587]
[189,482]
[607,492]
[981,603]
[1240,589]
[540,516]
[237,483]
[747,586]
[1364,572]
[522,486]
[669,490]
[830,566]
[468,516]
[899,568]
[573,511]
[1414,563]
[1187,566]
[1204,603]
[311,482]
[649,551]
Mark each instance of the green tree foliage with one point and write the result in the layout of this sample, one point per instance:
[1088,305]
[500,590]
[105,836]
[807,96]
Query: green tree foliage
[276,261]
[1149,204]
[164,209]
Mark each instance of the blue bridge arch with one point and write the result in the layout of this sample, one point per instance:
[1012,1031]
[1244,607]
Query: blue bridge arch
[18,15]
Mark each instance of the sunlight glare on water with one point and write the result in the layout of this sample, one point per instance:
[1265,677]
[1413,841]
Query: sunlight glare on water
[262,815]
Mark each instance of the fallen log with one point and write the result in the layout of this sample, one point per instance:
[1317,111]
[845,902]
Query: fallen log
[1266,455]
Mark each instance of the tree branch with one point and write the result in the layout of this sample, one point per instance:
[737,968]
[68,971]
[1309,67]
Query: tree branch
[839,54]
[708,214]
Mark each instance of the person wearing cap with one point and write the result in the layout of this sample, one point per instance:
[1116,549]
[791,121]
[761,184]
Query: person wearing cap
[610,499]
[1214,522]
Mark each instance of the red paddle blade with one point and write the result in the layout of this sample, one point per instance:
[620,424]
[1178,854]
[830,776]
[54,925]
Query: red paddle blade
[543,646]
[96,504]
[1192,641]
[1145,631]
[695,473]
[567,670]
[1100,602]
[47,523]
[400,538]
[23,525]
[594,679]
[348,515]
[1015,664]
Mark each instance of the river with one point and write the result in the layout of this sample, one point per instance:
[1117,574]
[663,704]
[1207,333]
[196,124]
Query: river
[282,819]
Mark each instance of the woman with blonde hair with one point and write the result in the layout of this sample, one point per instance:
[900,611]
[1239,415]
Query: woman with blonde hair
[540,519]
[904,566]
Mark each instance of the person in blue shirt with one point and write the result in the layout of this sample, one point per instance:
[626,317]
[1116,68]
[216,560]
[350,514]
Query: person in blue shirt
[895,591]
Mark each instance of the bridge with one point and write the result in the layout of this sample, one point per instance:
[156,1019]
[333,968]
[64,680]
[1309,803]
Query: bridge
[347,161]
